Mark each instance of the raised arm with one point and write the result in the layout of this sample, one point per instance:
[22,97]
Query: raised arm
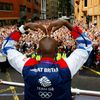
[55,25]
[15,58]
[35,26]
[84,45]
[79,56]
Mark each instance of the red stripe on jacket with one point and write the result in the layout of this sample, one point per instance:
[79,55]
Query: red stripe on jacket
[15,36]
[62,63]
[31,62]
[76,32]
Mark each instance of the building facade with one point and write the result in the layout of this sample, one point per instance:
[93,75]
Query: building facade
[87,10]
[12,10]
[52,9]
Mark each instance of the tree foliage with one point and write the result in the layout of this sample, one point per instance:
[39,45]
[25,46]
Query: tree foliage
[64,6]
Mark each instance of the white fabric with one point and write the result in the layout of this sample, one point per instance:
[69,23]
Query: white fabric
[16,59]
[76,60]
[21,29]
[11,43]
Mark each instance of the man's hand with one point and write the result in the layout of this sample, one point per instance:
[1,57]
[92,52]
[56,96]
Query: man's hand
[35,26]
[58,24]
[55,25]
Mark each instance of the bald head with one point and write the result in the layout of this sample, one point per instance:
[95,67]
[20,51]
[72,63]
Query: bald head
[48,46]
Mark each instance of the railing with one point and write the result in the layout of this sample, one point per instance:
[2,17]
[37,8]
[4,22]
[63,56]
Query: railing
[74,91]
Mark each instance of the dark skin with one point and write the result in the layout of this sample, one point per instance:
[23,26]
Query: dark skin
[48,45]
[55,25]
[35,27]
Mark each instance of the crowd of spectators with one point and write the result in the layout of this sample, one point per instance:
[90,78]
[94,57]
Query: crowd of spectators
[28,44]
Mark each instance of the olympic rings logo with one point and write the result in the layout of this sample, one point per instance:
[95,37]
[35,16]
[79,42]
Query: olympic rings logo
[45,95]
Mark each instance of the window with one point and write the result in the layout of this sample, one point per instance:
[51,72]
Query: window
[6,6]
[22,8]
[29,10]
[35,11]
[46,4]
[78,10]
[85,3]
[90,18]
[29,0]
[36,2]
